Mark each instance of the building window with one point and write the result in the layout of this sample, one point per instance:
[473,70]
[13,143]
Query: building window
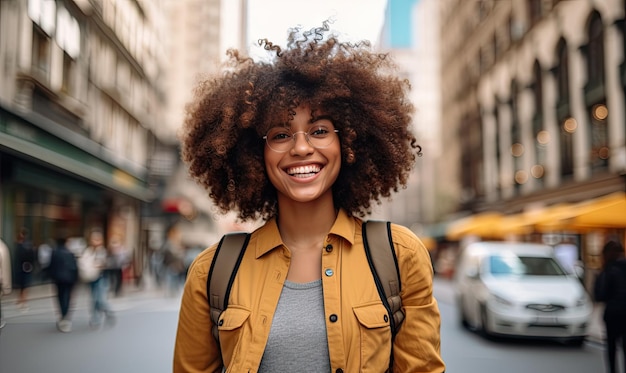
[595,96]
[498,153]
[68,74]
[472,172]
[517,148]
[542,137]
[496,47]
[562,73]
[534,10]
[595,51]
[568,127]
[538,89]
[41,52]
[567,124]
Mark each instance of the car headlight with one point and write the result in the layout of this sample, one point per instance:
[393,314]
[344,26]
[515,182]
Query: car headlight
[502,301]
[582,301]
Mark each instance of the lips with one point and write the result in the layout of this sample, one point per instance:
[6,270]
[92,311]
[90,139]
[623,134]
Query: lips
[304,171]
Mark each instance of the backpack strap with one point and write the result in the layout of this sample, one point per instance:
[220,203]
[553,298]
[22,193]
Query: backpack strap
[381,256]
[222,273]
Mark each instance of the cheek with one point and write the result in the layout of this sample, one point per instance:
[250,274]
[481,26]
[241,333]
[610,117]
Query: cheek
[270,162]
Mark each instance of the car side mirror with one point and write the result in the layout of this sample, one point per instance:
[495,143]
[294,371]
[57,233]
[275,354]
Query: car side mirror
[472,273]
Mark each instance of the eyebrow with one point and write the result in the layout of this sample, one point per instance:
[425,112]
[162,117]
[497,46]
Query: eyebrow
[320,117]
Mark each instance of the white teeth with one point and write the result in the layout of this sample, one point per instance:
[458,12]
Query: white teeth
[303,170]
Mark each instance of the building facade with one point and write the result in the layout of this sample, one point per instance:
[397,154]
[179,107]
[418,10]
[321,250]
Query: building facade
[410,35]
[81,118]
[533,101]
[199,33]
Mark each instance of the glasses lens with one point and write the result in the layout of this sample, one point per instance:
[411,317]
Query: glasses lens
[321,136]
[281,139]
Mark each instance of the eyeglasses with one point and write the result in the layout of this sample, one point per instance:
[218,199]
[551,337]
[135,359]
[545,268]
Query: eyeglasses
[281,139]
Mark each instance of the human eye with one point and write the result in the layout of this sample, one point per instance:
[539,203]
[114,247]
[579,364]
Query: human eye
[278,134]
[320,131]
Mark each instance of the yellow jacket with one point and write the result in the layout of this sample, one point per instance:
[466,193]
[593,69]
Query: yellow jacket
[359,339]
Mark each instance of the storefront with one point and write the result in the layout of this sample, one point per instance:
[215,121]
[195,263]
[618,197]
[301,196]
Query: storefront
[54,183]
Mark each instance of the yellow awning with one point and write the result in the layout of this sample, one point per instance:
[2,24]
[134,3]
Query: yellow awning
[553,218]
[531,220]
[604,212]
[485,224]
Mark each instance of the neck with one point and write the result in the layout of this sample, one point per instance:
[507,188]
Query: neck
[305,224]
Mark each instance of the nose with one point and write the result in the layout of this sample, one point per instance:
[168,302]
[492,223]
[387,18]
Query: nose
[301,144]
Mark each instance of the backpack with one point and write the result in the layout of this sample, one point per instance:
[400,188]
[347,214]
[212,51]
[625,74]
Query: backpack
[379,250]
[63,267]
[88,269]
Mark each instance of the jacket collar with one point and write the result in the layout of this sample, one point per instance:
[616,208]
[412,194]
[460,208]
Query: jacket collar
[268,237]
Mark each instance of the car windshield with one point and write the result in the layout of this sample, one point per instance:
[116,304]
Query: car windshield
[504,265]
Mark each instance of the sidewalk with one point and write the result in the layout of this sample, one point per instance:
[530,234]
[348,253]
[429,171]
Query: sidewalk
[41,300]
[444,292]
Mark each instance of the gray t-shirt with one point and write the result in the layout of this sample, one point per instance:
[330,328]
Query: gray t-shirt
[297,340]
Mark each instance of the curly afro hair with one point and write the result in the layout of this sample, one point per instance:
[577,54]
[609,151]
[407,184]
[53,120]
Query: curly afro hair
[222,140]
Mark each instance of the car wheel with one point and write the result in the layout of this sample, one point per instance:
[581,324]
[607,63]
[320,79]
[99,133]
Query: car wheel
[576,341]
[461,314]
[484,322]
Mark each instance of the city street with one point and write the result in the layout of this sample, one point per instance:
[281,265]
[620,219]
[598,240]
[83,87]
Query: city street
[142,341]
[467,352]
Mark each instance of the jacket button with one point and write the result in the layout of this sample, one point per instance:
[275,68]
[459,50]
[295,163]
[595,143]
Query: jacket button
[333,318]
[329,272]
[221,322]
[339,370]
[386,318]
[329,248]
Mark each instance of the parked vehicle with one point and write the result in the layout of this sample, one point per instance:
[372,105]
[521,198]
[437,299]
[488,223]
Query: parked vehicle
[520,290]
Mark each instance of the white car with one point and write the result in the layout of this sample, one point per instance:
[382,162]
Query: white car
[519,289]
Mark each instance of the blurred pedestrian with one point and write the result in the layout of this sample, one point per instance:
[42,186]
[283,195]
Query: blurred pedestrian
[5,276]
[173,256]
[25,256]
[610,288]
[191,252]
[63,270]
[156,266]
[92,264]
[117,261]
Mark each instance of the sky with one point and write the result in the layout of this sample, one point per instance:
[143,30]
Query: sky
[354,19]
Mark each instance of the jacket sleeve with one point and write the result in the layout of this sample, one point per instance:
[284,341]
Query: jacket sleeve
[195,348]
[417,346]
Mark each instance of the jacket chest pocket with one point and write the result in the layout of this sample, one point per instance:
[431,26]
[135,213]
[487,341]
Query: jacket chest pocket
[375,337]
[232,331]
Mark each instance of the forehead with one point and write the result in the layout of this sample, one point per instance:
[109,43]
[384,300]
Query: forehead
[283,115]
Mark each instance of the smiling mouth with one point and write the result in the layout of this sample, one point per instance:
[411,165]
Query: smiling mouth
[304,171]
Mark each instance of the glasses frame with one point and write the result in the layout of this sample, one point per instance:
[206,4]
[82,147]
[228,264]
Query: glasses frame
[293,138]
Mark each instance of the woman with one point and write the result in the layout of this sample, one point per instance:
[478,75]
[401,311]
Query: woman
[306,142]
[610,288]
[92,264]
